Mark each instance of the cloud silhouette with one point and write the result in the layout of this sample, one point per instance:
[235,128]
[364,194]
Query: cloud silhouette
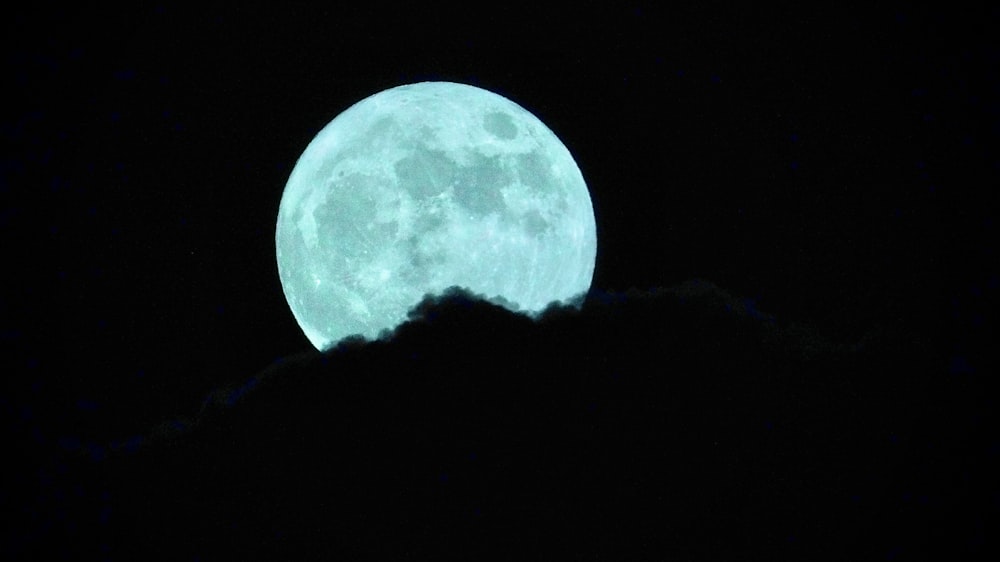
[680,419]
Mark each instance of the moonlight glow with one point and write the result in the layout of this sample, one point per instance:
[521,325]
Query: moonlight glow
[423,187]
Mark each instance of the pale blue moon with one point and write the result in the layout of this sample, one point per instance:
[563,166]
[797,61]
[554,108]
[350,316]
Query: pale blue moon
[423,187]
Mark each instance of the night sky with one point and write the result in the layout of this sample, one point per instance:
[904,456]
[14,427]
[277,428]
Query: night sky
[794,229]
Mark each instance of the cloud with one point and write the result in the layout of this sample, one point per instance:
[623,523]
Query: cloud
[663,326]
[653,418]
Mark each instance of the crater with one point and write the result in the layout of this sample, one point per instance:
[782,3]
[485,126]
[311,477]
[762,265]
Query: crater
[478,186]
[424,173]
[534,169]
[534,223]
[500,125]
[342,217]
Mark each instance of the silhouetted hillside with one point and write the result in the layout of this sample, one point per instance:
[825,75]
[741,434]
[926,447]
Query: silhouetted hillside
[678,423]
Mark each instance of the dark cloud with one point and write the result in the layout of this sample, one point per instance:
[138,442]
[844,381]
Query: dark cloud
[681,420]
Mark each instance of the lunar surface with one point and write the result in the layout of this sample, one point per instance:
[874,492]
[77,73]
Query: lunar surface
[423,187]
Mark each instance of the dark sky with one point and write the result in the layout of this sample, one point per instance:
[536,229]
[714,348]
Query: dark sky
[829,168]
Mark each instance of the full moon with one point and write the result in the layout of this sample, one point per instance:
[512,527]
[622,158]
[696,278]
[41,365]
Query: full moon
[423,187]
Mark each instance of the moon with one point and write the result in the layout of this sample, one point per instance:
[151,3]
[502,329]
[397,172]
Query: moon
[422,187]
